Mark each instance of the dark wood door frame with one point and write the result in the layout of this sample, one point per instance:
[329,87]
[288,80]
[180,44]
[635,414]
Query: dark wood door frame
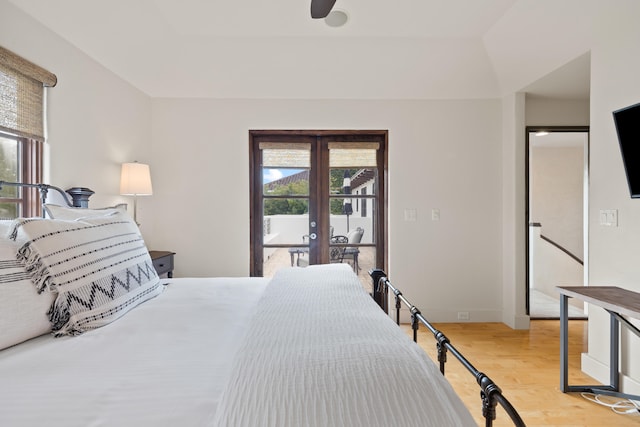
[318,181]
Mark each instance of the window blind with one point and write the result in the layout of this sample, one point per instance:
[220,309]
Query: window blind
[22,86]
[284,155]
[353,154]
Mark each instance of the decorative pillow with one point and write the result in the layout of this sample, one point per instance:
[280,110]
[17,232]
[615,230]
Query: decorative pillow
[23,313]
[71,214]
[5,227]
[99,267]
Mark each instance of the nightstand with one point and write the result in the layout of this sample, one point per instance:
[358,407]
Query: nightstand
[163,262]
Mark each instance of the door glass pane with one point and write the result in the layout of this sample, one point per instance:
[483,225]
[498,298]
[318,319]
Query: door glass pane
[289,197]
[352,201]
[285,190]
[285,182]
[353,186]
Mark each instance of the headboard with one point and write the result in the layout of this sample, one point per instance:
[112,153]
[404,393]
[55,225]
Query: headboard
[79,195]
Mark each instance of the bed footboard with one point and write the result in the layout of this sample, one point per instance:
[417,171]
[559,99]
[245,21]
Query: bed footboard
[489,392]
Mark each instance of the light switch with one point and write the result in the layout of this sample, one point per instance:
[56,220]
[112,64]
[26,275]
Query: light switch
[410,215]
[435,214]
[609,217]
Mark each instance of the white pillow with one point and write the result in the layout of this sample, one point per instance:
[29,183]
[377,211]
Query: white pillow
[23,313]
[5,228]
[71,214]
[99,267]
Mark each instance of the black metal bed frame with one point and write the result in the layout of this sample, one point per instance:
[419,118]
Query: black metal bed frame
[79,195]
[490,393]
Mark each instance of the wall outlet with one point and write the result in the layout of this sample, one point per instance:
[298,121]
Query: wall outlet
[463,315]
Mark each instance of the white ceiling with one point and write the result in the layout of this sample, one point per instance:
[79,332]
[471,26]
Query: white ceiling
[389,49]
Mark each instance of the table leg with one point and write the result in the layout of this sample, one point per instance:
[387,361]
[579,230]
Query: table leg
[291,253]
[614,376]
[564,343]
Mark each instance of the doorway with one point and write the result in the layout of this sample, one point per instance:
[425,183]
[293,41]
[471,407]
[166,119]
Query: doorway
[318,197]
[557,175]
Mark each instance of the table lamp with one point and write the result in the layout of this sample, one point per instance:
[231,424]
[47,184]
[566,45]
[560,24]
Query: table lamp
[135,180]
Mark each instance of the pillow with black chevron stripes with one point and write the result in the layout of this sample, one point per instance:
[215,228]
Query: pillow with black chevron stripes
[98,267]
[23,313]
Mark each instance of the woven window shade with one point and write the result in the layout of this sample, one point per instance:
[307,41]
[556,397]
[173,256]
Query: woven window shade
[22,86]
[359,154]
[283,155]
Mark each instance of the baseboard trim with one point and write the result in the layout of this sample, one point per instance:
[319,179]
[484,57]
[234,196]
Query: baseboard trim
[600,372]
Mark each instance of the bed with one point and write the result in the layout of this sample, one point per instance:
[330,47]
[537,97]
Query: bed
[92,337]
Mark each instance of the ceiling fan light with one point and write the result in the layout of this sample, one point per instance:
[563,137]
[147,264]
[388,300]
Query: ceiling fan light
[336,18]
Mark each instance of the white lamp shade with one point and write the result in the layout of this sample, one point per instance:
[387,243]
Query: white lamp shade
[135,180]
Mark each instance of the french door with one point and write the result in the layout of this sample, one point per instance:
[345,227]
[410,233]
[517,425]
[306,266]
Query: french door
[317,197]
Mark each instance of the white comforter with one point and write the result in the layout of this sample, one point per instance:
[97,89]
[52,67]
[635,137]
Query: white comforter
[319,352]
[165,363]
[309,349]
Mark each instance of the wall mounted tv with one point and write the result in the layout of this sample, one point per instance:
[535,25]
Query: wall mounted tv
[627,122]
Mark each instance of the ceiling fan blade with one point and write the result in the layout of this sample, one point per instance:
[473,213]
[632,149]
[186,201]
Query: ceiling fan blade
[321,8]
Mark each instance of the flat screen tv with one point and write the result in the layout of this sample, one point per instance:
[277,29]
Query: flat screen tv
[627,122]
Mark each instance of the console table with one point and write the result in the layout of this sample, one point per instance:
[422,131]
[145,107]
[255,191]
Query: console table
[617,302]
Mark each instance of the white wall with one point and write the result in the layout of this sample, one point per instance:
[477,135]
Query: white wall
[555,191]
[451,148]
[613,251]
[513,230]
[556,112]
[96,121]
[550,267]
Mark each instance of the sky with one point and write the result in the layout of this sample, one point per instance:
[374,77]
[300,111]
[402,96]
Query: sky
[270,175]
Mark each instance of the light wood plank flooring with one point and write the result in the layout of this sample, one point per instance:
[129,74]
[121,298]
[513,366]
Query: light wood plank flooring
[526,366]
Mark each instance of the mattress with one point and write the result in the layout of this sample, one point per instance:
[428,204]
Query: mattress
[165,363]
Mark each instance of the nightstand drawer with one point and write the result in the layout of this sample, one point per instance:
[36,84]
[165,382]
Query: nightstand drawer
[162,262]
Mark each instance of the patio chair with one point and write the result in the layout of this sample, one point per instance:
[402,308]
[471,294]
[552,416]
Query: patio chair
[301,251]
[354,237]
[336,253]
[342,253]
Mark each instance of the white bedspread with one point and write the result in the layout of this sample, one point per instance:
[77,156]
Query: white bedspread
[164,363]
[320,353]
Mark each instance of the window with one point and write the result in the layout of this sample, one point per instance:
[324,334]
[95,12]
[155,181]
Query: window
[20,161]
[22,130]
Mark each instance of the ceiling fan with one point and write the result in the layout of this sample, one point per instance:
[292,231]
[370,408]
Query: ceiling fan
[321,8]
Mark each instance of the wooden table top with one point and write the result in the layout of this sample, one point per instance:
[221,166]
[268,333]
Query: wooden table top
[613,298]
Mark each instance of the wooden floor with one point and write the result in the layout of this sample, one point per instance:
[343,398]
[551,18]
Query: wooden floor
[525,365]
